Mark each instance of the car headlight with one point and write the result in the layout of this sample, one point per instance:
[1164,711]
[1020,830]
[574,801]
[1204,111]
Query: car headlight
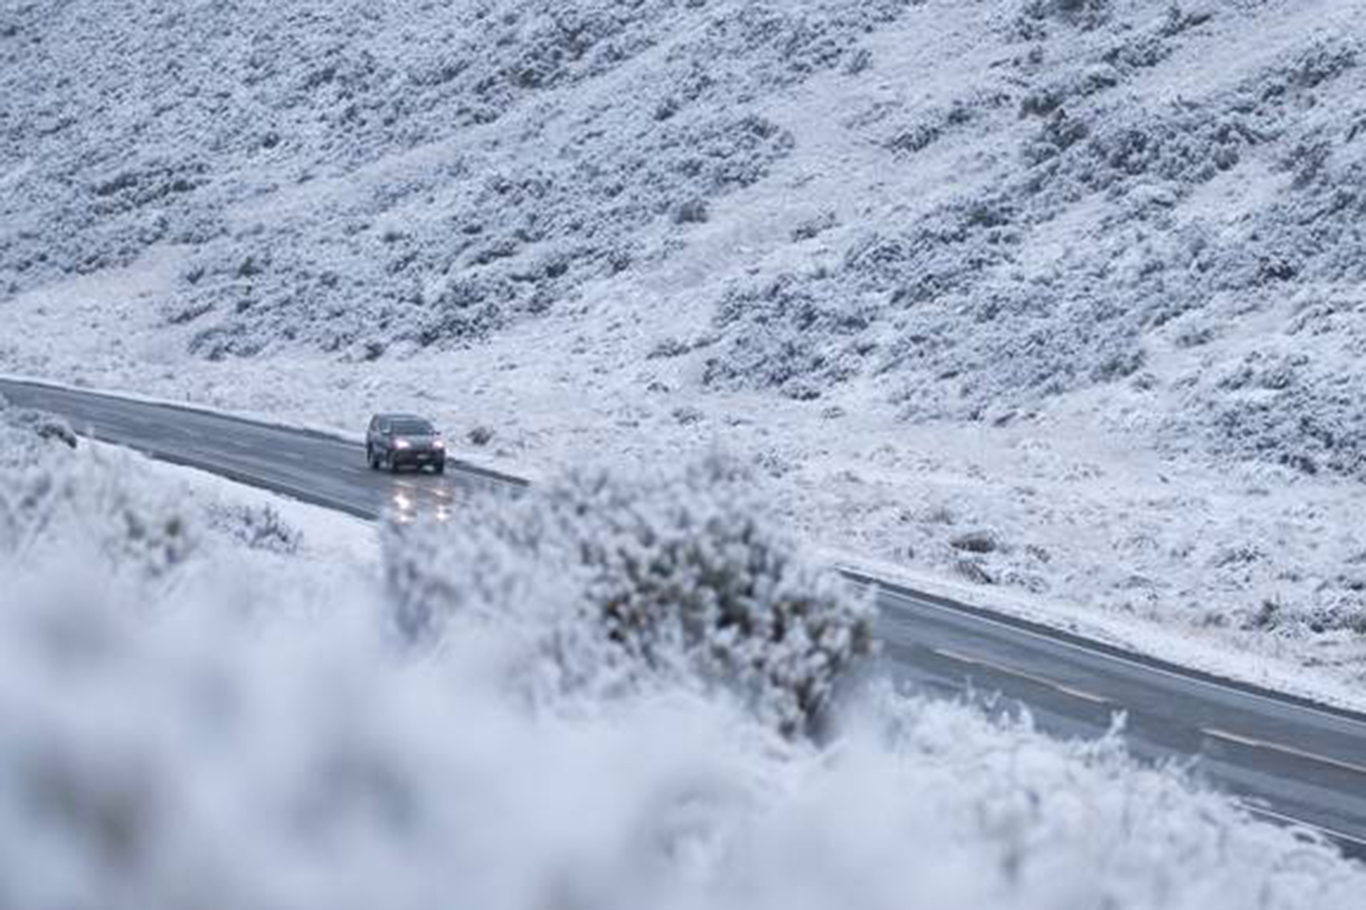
[438,444]
[401,443]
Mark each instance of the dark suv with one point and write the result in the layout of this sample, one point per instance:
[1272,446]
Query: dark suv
[395,440]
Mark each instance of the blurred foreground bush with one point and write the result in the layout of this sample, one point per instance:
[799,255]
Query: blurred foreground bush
[665,576]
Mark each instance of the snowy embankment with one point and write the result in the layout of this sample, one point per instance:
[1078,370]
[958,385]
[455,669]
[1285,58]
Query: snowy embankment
[202,703]
[1058,299]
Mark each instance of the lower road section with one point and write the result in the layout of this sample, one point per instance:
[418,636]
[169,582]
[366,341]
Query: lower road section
[1290,760]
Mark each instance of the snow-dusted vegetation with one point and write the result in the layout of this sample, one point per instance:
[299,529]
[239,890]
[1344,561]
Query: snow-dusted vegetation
[668,578]
[350,177]
[184,737]
[1083,276]
[52,498]
[983,309]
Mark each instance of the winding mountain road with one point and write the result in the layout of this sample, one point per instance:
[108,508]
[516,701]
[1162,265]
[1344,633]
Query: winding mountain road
[1286,758]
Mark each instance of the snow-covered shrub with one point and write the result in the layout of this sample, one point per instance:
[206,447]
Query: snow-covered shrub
[664,576]
[694,211]
[1083,13]
[160,759]
[1187,150]
[789,338]
[1071,86]
[1339,605]
[976,542]
[815,226]
[82,498]
[1323,60]
[915,138]
[22,424]
[257,527]
[92,499]
[1058,133]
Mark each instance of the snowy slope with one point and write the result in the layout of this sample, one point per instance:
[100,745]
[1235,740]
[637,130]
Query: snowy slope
[1085,274]
[357,175]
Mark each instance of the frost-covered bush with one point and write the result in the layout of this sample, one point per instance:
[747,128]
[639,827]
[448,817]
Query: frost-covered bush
[154,759]
[788,340]
[257,527]
[50,493]
[665,576]
[1047,98]
[803,332]
[1034,14]
[91,500]
[38,423]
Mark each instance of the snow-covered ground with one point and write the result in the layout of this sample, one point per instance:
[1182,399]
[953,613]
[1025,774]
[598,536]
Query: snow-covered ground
[1084,276]
[202,700]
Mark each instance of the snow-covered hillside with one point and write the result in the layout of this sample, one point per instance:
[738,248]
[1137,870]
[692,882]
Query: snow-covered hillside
[352,176]
[202,704]
[1083,275]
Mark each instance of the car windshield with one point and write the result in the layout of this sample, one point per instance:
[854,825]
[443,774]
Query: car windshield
[412,428]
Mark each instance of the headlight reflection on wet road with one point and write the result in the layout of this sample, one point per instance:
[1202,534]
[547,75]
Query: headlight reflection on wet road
[403,506]
[409,503]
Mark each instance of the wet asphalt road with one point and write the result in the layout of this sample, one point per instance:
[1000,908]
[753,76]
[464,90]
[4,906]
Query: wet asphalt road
[1286,758]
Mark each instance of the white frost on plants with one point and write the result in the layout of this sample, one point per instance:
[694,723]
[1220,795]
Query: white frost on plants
[1084,277]
[670,576]
[165,745]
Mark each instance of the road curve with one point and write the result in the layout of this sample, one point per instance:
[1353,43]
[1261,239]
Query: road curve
[1288,759]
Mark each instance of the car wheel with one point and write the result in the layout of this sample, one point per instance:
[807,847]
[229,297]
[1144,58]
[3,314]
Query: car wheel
[439,467]
[370,457]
